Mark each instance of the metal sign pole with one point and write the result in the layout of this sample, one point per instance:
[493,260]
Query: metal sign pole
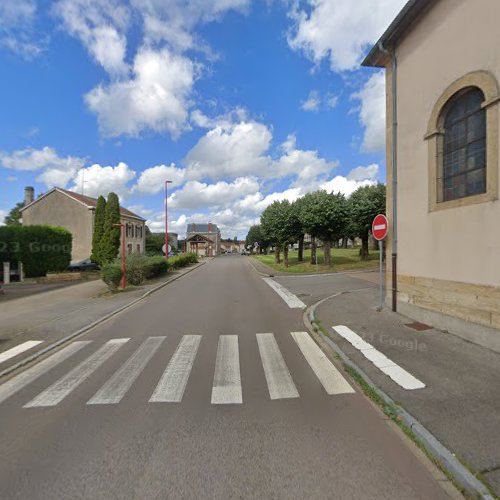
[381,248]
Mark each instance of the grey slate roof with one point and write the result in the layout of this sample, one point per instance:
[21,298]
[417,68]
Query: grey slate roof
[403,22]
[201,228]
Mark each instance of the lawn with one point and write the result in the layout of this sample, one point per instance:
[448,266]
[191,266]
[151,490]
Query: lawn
[343,259]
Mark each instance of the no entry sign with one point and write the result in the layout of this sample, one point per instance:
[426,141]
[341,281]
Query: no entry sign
[380,227]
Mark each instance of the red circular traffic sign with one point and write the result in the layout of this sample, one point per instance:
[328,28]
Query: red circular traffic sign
[380,226]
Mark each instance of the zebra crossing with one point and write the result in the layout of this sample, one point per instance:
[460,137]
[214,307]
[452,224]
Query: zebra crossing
[170,388]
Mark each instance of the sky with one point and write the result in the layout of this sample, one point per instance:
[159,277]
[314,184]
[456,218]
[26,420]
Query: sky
[238,102]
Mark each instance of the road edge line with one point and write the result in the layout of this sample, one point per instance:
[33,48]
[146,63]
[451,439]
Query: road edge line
[458,473]
[95,323]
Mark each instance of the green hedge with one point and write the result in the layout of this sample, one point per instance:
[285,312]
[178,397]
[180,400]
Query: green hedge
[39,248]
[139,267]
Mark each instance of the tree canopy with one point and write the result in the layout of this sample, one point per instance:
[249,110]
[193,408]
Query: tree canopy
[97,237]
[13,218]
[111,237]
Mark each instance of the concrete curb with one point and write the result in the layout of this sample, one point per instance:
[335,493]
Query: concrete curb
[435,448]
[88,327]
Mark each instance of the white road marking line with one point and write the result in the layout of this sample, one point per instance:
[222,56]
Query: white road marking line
[331,379]
[279,380]
[25,378]
[226,388]
[291,300]
[18,349]
[172,384]
[381,361]
[65,385]
[117,386]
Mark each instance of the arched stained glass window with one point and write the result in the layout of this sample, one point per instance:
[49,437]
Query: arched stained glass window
[464,146]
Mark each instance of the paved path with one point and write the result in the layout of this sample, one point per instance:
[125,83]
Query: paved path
[214,391]
[460,403]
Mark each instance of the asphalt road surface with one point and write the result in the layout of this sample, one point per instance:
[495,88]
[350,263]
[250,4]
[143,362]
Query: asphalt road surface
[207,389]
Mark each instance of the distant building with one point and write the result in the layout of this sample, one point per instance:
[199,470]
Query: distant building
[75,212]
[232,246]
[203,239]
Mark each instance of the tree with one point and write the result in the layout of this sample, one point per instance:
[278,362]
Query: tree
[97,236]
[13,218]
[297,206]
[364,204]
[154,242]
[280,223]
[111,236]
[324,215]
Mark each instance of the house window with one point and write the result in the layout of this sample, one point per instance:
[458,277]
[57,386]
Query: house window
[138,231]
[129,248]
[464,147]
[138,248]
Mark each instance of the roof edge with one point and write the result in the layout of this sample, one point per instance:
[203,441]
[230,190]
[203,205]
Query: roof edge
[412,10]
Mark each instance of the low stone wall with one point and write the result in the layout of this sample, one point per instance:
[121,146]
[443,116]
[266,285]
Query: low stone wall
[76,276]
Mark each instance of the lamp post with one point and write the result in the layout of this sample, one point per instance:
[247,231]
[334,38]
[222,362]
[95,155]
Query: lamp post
[122,284]
[166,218]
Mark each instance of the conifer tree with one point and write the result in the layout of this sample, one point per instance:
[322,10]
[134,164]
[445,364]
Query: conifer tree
[111,238]
[97,237]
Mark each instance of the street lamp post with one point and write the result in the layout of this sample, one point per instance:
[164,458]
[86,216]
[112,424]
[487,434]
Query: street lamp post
[122,284]
[166,218]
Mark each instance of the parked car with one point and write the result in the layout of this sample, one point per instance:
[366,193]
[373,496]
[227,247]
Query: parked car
[83,265]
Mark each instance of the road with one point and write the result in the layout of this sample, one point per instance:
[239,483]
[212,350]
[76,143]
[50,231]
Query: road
[195,404]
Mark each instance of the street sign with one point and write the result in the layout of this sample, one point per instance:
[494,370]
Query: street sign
[163,248]
[380,227]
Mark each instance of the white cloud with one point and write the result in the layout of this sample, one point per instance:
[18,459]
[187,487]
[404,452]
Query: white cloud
[16,28]
[340,184]
[196,195]
[100,25]
[152,180]
[332,101]
[12,178]
[312,102]
[174,21]
[363,173]
[231,150]
[307,166]
[372,112]
[97,180]
[56,170]
[155,98]
[333,30]
[3,214]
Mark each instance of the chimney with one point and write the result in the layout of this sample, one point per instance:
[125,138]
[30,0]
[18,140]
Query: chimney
[29,195]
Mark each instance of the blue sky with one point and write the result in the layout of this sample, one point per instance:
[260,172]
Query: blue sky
[238,102]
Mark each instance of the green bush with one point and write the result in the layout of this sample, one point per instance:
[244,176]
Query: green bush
[156,266]
[135,268]
[111,274]
[139,267]
[39,248]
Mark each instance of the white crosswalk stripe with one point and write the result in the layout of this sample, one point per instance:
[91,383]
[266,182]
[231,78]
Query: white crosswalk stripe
[331,379]
[67,384]
[116,387]
[278,378]
[226,388]
[172,384]
[28,376]
[18,349]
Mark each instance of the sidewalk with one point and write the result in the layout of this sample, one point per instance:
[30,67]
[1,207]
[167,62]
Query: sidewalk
[50,316]
[460,404]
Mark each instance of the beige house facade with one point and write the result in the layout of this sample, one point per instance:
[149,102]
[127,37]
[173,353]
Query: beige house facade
[442,62]
[203,239]
[75,212]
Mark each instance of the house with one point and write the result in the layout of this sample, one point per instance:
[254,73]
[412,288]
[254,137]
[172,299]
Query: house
[75,212]
[203,239]
[232,246]
[442,65]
